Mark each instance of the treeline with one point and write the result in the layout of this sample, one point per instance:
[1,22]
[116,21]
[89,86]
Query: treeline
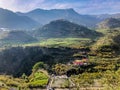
[19,60]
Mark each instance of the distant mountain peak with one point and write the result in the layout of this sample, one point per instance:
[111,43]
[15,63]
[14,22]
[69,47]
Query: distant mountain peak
[109,23]
[111,19]
[37,10]
[64,28]
[11,20]
[71,9]
[60,21]
[45,16]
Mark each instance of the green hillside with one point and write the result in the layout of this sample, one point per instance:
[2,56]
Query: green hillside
[9,19]
[60,55]
[109,23]
[63,42]
[15,37]
[63,29]
[110,43]
[44,16]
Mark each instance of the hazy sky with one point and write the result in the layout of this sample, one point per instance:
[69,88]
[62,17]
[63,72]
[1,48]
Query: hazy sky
[82,6]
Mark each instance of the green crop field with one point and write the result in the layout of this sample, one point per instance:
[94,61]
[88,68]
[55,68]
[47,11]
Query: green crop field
[65,42]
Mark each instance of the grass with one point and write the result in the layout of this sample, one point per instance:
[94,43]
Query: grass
[64,42]
[52,42]
[38,83]
[9,81]
[103,31]
[39,79]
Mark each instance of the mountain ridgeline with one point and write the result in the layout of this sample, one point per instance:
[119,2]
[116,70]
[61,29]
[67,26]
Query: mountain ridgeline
[11,20]
[45,16]
[16,37]
[38,17]
[109,23]
[63,29]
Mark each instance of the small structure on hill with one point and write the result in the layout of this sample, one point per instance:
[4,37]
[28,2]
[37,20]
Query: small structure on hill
[80,62]
[80,59]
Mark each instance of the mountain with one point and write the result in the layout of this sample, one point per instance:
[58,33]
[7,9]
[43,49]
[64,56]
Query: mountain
[46,16]
[105,16]
[63,28]
[15,37]
[9,19]
[109,45]
[109,23]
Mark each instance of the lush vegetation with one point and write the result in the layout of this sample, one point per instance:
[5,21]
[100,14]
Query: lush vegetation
[38,79]
[65,29]
[110,23]
[108,80]
[45,57]
[63,42]
[35,65]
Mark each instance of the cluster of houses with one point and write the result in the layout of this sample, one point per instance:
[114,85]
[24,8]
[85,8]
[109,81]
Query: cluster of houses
[81,59]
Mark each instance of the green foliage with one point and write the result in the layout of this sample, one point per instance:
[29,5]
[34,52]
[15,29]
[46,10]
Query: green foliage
[60,69]
[15,38]
[65,29]
[85,79]
[38,83]
[109,23]
[63,42]
[109,80]
[39,76]
[108,45]
[38,65]
[38,79]
[10,81]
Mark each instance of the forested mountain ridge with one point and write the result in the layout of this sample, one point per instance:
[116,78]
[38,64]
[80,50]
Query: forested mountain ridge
[15,37]
[109,23]
[9,19]
[63,28]
[45,16]
[20,60]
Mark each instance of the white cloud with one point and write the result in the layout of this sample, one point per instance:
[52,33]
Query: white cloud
[20,5]
[7,4]
[84,7]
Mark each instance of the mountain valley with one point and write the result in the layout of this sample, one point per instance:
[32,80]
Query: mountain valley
[59,49]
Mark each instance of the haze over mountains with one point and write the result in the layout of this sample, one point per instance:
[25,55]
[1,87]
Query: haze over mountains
[9,19]
[57,23]
[15,37]
[105,16]
[45,16]
[34,18]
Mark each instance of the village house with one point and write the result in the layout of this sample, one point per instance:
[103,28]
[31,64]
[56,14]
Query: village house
[80,60]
